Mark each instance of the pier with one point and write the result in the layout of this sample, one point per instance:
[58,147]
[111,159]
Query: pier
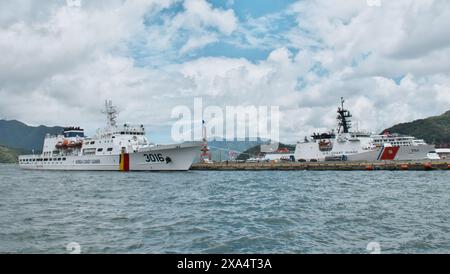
[322,166]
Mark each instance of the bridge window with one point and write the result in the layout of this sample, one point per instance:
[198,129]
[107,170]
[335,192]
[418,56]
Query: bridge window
[89,151]
[73,134]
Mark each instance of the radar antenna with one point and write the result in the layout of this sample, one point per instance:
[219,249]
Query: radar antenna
[111,113]
[343,118]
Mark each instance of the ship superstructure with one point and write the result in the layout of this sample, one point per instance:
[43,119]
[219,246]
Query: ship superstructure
[396,140]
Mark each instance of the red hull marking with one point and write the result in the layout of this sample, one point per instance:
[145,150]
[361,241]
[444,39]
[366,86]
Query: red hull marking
[124,162]
[389,153]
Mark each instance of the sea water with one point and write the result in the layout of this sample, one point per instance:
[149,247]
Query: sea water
[224,211]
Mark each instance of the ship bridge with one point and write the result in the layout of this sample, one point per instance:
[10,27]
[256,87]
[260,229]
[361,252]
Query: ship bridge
[72,132]
[128,129]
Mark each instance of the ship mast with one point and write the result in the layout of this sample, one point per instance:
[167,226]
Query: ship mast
[205,156]
[111,113]
[343,118]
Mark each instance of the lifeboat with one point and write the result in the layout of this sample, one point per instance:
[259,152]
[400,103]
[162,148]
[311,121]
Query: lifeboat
[75,144]
[325,145]
[283,150]
[65,144]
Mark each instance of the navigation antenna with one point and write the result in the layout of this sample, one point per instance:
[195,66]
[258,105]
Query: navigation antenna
[344,118]
[111,113]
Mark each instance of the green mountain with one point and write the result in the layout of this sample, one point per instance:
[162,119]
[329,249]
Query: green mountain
[8,155]
[17,135]
[434,130]
[256,151]
[223,150]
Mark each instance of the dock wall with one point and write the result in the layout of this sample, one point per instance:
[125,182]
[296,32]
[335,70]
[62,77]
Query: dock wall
[344,166]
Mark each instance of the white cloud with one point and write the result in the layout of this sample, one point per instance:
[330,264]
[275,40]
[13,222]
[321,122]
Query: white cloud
[200,14]
[68,37]
[196,42]
[362,49]
[169,35]
[58,63]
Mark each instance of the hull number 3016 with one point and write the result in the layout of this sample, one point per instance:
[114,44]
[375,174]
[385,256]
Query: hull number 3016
[154,158]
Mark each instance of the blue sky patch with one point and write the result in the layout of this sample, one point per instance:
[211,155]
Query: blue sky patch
[253,8]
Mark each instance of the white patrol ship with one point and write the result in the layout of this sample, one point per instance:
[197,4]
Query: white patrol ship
[360,146]
[113,148]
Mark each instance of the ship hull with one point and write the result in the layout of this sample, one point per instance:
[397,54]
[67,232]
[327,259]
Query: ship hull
[403,153]
[311,151]
[159,158]
[411,153]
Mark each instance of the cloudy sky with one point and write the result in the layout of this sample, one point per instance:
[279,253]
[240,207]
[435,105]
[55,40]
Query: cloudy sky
[60,60]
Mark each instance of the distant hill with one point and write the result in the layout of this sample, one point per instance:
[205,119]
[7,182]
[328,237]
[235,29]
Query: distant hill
[256,151]
[17,135]
[8,155]
[221,150]
[434,130]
